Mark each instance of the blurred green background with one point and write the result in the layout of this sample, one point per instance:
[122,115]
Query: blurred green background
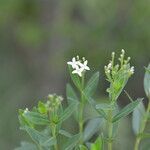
[38,37]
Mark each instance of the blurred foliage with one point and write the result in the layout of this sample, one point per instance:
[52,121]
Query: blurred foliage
[38,37]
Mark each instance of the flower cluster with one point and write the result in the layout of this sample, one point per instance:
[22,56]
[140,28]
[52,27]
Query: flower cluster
[78,65]
[53,102]
[112,69]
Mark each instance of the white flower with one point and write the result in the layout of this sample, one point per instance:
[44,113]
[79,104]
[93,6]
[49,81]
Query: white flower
[78,65]
[78,71]
[84,65]
[26,110]
[73,63]
[132,70]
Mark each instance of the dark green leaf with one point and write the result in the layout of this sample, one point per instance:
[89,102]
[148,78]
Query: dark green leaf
[91,128]
[68,111]
[65,133]
[71,95]
[72,142]
[126,110]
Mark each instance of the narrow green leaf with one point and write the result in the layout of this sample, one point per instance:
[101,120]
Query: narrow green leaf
[36,118]
[92,85]
[126,110]
[65,133]
[50,142]
[72,142]
[36,136]
[91,128]
[144,135]
[137,116]
[75,78]
[147,81]
[68,111]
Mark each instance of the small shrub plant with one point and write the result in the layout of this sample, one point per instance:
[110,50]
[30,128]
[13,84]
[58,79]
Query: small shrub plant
[44,122]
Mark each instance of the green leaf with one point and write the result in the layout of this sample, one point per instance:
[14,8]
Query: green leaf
[50,142]
[36,118]
[75,78]
[92,85]
[65,133]
[36,136]
[137,116]
[71,95]
[72,142]
[126,110]
[93,104]
[147,81]
[26,146]
[144,135]
[91,128]
[68,111]
[42,108]
[82,147]
[98,145]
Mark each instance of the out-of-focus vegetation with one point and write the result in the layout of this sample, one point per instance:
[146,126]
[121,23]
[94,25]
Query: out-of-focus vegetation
[38,37]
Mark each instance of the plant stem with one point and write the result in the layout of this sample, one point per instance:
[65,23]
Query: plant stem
[54,135]
[110,129]
[143,125]
[81,122]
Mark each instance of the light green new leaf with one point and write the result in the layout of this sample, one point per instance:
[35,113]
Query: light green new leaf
[92,85]
[72,142]
[91,128]
[126,110]
[42,108]
[68,111]
[98,145]
[36,118]
[137,116]
[26,146]
[75,78]
[147,81]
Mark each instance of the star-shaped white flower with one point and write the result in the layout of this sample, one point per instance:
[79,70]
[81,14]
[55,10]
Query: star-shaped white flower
[84,65]
[78,71]
[73,63]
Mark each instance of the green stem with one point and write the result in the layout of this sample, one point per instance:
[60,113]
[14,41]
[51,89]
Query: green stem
[143,125]
[54,135]
[81,122]
[110,129]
